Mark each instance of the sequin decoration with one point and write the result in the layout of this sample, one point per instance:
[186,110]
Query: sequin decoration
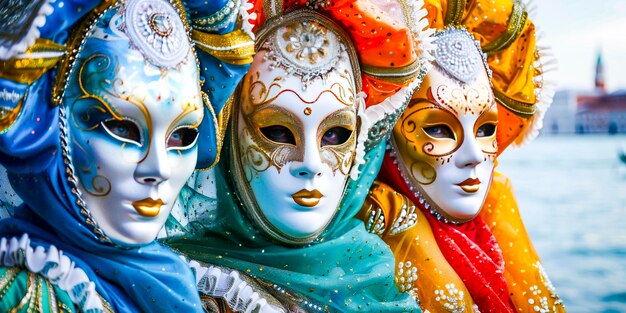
[307,49]
[375,221]
[451,298]
[155,28]
[406,276]
[406,219]
[456,54]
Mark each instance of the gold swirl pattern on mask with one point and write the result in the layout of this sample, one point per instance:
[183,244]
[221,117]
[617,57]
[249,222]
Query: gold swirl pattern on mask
[339,157]
[488,144]
[277,154]
[261,94]
[423,113]
[100,186]
[465,99]
[114,91]
[259,156]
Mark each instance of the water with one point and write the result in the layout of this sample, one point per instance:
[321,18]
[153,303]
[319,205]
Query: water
[572,195]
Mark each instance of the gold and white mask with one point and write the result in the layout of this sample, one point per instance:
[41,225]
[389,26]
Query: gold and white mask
[296,127]
[445,140]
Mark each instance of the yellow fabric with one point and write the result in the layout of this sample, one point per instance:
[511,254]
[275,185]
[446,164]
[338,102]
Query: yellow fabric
[438,287]
[235,47]
[528,284]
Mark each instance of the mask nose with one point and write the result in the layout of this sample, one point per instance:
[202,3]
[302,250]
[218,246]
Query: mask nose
[154,168]
[469,154]
[311,166]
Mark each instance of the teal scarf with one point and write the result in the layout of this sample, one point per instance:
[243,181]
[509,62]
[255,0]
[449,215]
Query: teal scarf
[346,269]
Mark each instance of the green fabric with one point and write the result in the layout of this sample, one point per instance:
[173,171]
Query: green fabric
[14,288]
[347,269]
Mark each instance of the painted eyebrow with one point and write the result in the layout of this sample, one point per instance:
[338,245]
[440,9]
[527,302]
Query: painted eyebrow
[189,109]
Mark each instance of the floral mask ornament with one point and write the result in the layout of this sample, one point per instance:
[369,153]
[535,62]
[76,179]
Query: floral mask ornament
[445,140]
[297,128]
[134,106]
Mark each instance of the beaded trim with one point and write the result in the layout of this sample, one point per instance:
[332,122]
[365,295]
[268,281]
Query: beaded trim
[73,180]
[219,19]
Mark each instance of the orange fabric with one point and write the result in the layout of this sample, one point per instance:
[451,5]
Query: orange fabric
[438,286]
[378,90]
[509,126]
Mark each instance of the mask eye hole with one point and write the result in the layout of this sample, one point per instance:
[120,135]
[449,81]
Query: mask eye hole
[486,130]
[279,134]
[439,131]
[336,136]
[123,130]
[182,138]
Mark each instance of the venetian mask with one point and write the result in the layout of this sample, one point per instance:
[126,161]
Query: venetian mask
[445,140]
[133,106]
[296,128]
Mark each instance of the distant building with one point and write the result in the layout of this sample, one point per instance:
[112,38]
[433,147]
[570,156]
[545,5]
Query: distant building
[588,111]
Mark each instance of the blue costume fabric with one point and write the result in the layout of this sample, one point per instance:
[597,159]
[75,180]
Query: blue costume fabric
[148,278]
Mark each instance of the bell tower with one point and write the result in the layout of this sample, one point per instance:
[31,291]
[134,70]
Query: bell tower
[599,81]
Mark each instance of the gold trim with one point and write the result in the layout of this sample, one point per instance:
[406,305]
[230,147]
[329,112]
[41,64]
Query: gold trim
[218,140]
[52,304]
[74,45]
[399,75]
[28,67]
[272,8]
[30,290]
[235,47]
[8,117]
[7,280]
[525,110]
[514,29]
[454,14]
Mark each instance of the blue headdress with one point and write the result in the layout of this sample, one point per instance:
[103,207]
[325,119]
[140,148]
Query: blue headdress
[38,55]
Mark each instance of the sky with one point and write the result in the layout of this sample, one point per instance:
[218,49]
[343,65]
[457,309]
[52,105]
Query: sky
[577,30]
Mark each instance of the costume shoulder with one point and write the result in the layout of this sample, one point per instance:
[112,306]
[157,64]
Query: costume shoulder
[226,290]
[24,291]
[35,277]
[421,268]
[529,285]
[387,212]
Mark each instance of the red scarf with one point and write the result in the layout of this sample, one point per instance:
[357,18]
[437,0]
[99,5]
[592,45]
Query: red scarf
[470,248]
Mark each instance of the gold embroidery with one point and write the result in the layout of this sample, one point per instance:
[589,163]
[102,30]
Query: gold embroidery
[30,292]
[7,280]
[235,47]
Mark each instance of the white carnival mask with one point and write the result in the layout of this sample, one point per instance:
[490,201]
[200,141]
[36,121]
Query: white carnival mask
[446,139]
[296,130]
[134,104]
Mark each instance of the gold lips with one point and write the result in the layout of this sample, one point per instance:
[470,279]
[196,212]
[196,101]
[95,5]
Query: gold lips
[148,207]
[307,198]
[470,185]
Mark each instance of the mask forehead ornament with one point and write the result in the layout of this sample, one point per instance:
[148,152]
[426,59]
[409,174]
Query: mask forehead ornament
[156,29]
[456,53]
